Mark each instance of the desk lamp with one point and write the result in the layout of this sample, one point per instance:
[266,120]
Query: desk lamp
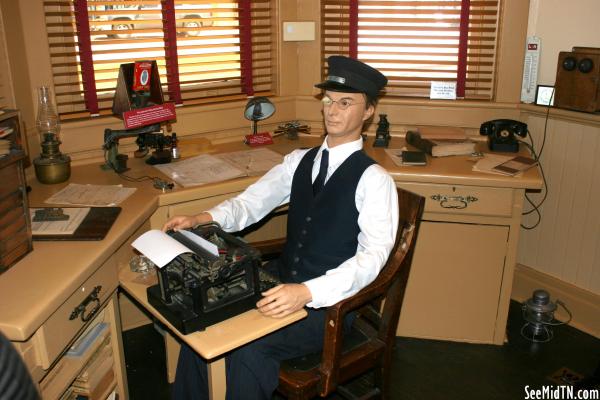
[257,109]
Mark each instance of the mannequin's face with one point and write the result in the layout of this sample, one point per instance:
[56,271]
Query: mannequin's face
[344,115]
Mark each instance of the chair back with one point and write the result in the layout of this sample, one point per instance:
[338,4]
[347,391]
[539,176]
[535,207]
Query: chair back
[378,306]
[378,323]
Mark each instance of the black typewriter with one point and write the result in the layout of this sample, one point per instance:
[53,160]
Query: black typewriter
[198,289]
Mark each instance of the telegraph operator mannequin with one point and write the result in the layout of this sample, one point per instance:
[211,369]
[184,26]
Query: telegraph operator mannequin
[342,221]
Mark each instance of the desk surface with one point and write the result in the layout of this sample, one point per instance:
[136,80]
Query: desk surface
[38,284]
[216,339]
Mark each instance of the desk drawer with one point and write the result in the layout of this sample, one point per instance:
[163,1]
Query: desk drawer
[197,206]
[56,333]
[96,337]
[467,200]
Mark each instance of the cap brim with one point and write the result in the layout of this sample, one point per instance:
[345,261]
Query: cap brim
[336,87]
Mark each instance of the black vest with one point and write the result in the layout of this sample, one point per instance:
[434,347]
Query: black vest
[322,230]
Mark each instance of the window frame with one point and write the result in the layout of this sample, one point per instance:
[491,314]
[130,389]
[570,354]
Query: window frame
[253,77]
[344,32]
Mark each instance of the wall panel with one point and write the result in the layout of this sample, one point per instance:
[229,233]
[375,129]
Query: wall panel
[565,244]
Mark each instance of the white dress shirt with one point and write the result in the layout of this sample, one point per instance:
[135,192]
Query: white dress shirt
[376,201]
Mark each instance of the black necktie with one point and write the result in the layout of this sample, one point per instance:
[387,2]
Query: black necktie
[320,181]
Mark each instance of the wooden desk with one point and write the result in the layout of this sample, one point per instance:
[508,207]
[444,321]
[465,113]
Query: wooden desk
[459,287]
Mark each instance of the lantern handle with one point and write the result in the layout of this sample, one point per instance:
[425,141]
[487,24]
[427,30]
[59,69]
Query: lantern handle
[558,323]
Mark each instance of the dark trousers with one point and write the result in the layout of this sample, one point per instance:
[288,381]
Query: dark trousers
[252,371]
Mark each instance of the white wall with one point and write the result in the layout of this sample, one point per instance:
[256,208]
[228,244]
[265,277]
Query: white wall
[562,24]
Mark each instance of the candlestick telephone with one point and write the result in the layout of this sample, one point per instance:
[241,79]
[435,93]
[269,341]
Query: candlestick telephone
[502,133]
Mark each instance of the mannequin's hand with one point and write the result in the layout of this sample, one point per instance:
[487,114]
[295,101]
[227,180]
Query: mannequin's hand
[283,300]
[186,221]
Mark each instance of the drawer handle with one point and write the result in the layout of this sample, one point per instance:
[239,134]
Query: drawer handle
[447,201]
[83,306]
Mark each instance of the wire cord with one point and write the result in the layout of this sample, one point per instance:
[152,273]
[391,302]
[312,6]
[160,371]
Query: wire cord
[535,208]
[157,182]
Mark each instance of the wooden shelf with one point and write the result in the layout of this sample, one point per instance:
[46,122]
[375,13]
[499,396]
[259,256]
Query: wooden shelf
[562,114]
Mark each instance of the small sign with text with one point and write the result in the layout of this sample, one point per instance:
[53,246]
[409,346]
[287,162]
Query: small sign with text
[443,90]
[148,115]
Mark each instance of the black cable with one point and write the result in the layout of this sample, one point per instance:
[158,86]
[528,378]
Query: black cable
[537,157]
[157,182]
[535,207]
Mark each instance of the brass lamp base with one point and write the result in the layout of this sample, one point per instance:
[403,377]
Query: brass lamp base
[52,170]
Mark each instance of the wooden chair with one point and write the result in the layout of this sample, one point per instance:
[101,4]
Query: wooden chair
[368,347]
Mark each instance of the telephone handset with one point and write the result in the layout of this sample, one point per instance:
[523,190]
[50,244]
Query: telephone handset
[530,69]
[502,133]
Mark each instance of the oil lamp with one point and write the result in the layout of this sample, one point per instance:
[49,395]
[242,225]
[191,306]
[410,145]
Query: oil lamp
[51,166]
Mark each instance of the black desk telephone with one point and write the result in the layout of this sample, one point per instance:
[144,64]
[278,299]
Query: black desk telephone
[502,133]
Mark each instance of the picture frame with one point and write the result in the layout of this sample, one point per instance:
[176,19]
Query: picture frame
[544,95]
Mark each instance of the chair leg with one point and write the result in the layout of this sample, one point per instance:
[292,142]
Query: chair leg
[374,394]
[384,373]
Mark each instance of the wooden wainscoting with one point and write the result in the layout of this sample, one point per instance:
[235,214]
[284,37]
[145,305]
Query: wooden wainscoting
[563,252]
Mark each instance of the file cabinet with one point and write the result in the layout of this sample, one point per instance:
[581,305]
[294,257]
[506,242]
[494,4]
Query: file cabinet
[15,227]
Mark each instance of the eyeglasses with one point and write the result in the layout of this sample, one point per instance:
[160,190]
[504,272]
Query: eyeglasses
[343,104]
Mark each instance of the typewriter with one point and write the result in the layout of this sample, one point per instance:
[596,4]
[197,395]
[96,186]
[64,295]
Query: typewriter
[198,289]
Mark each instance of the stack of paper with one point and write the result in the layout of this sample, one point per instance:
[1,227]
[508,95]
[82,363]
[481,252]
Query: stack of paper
[504,165]
[66,227]
[208,168]
[4,147]
[91,195]
[5,142]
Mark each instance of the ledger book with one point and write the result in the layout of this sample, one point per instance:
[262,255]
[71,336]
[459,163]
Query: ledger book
[440,148]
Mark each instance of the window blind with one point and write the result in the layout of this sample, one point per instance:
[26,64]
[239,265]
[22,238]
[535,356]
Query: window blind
[415,42]
[199,52]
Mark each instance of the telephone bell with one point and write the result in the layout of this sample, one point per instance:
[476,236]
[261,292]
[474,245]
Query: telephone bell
[578,79]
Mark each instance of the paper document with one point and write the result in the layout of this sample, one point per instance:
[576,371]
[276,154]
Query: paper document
[489,161]
[67,227]
[253,162]
[91,195]
[161,248]
[200,170]
[209,168]
[205,244]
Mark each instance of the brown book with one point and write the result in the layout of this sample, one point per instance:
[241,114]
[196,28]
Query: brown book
[442,132]
[440,148]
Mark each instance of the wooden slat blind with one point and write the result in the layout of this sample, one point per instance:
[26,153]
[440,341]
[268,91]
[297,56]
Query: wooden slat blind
[415,42]
[122,31]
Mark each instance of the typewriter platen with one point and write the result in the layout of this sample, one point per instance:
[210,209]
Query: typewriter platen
[199,289]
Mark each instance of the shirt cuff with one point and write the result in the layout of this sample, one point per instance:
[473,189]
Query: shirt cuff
[316,286]
[218,216]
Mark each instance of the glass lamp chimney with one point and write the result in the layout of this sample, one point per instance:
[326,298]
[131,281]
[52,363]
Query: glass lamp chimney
[51,166]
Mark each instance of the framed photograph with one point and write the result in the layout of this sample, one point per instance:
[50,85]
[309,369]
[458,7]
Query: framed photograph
[544,95]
